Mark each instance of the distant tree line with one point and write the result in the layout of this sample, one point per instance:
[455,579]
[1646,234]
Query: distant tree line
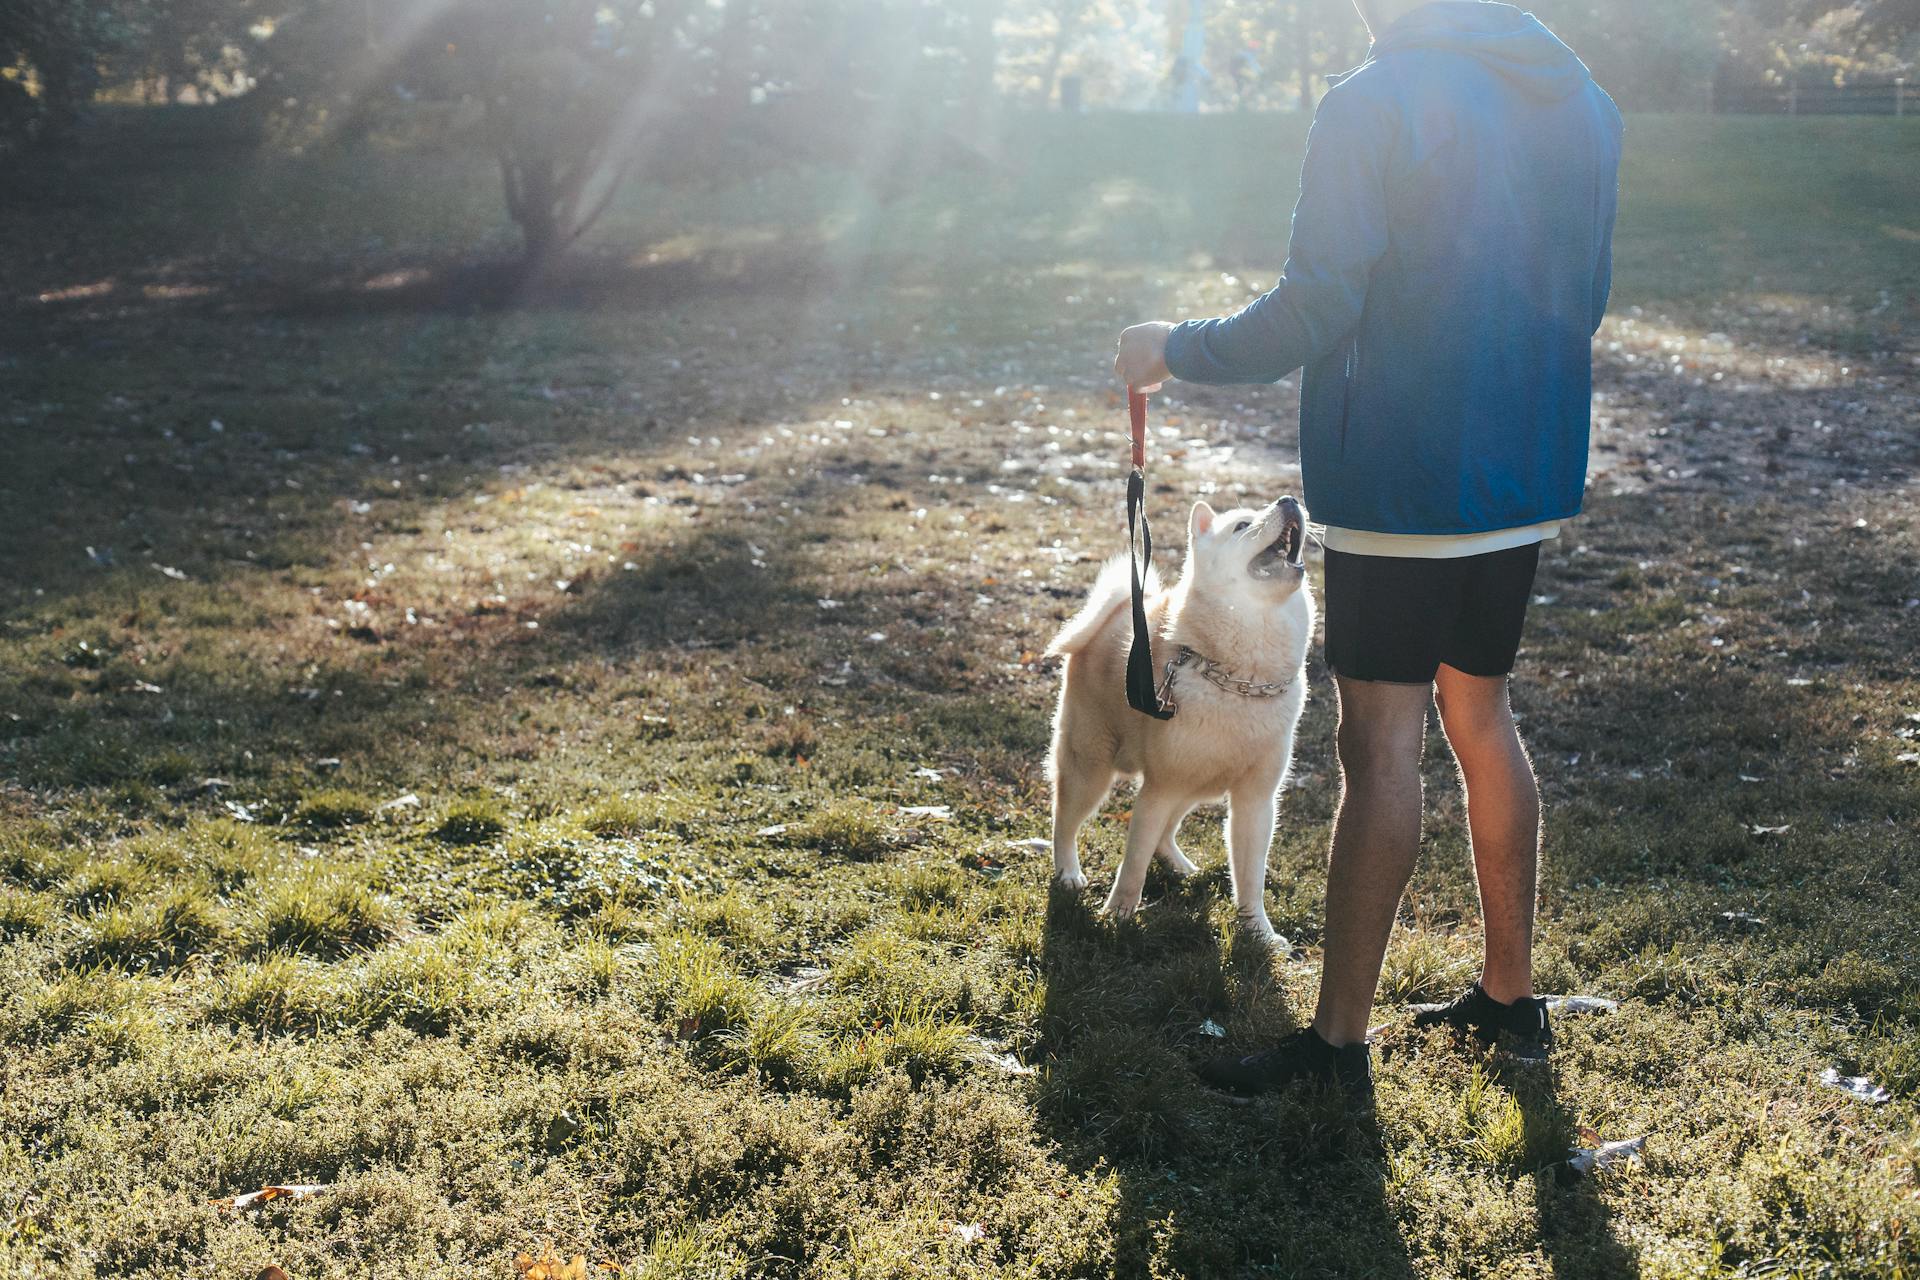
[573,95]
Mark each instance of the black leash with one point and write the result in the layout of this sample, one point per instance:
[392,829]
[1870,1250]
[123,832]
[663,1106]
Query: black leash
[1143,695]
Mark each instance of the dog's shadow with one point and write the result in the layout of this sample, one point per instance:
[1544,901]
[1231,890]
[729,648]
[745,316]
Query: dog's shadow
[1289,1185]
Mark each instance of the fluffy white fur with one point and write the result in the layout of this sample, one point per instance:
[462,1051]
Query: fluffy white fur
[1242,601]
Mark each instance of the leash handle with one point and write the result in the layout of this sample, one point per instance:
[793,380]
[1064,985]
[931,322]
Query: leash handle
[1145,693]
[1137,410]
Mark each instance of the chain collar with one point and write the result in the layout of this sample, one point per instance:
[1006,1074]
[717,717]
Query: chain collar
[1216,675]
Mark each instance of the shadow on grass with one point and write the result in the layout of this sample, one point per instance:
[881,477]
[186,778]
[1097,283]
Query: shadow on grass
[389,705]
[581,280]
[1576,1228]
[1292,1186]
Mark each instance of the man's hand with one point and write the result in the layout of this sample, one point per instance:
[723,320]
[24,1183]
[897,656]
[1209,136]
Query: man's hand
[1142,362]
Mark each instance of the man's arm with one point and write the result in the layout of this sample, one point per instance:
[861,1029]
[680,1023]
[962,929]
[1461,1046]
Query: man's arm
[1603,270]
[1339,233]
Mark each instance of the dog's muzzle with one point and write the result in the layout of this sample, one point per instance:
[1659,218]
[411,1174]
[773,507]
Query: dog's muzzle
[1288,550]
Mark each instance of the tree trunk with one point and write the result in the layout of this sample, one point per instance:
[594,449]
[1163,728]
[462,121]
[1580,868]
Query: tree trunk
[1066,27]
[734,78]
[982,64]
[1303,49]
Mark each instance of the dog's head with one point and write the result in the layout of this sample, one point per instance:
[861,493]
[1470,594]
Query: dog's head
[1258,557]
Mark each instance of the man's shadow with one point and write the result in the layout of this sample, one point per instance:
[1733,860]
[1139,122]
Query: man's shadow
[1293,1185]
[1576,1228]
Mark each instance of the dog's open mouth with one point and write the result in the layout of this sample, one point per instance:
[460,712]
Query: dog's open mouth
[1289,549]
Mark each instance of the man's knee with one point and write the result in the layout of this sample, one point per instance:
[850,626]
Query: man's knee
[1475,714]
[1372,747]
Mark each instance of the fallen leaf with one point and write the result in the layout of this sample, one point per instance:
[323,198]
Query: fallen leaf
[407,801]
[1573,1006]
[1859,1086]
[1584,1161]
[1214,1029]
[1771,831]
[1037,842]
[290,1191]
[941,812]
[271,1272]
[777,829]
[548,1266]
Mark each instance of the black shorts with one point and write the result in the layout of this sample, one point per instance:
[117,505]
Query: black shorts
[1395,620]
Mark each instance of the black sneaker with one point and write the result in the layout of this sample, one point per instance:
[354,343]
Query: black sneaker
[1301,1058]
[1521,1028]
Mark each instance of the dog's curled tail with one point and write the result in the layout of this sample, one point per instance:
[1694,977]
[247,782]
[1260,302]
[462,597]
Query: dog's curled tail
[1111,592]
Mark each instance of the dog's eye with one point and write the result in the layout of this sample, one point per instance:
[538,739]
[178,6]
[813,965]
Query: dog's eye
[1243,526]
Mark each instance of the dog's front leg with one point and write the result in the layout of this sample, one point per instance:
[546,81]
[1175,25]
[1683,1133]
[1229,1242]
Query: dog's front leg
[1249,835]
[1152,811]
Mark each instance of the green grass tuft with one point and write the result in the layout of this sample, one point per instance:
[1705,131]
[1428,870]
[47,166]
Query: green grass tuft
[323,913]
[473,821]
[154,934]
[108,882]
[688,1253]
[623,816]
[278,994]
[24,913]
[426,985]
[783,1042]
[922,1043]
[844,829]
[695,987]
[332,809]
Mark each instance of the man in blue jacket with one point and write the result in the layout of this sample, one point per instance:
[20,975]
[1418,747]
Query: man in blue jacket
[1451,260]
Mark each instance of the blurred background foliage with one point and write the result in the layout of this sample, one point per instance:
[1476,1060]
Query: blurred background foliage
[570,96]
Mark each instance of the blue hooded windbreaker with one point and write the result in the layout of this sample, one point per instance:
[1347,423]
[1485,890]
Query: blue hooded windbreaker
[1452,257]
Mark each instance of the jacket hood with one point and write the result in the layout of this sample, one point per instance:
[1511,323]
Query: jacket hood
[1508,41]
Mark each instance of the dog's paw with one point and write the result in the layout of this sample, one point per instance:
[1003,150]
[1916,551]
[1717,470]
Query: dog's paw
[1121,906]
[1178,864]
[1259,931]
[1074,881]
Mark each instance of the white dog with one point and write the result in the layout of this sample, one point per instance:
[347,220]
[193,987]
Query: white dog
[1235,633]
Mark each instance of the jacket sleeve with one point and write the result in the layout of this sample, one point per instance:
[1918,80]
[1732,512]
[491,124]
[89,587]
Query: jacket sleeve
[1603,268]
[1339,233]
[1603,281]
[1608,214]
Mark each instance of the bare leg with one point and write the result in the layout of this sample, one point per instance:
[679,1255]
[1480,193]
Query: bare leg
[1152,810]
[1503,816]
[1077,792]
[1249,837]
[1169,851]
[1376,838]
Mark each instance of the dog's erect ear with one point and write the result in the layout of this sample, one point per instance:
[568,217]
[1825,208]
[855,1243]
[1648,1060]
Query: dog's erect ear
[1202,520]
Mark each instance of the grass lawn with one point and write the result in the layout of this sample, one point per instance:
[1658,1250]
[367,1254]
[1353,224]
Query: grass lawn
[569,773]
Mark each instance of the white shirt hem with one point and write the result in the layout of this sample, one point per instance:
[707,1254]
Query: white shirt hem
[1424,546]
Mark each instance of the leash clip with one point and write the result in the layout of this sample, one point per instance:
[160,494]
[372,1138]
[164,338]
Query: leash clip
[1164,696]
